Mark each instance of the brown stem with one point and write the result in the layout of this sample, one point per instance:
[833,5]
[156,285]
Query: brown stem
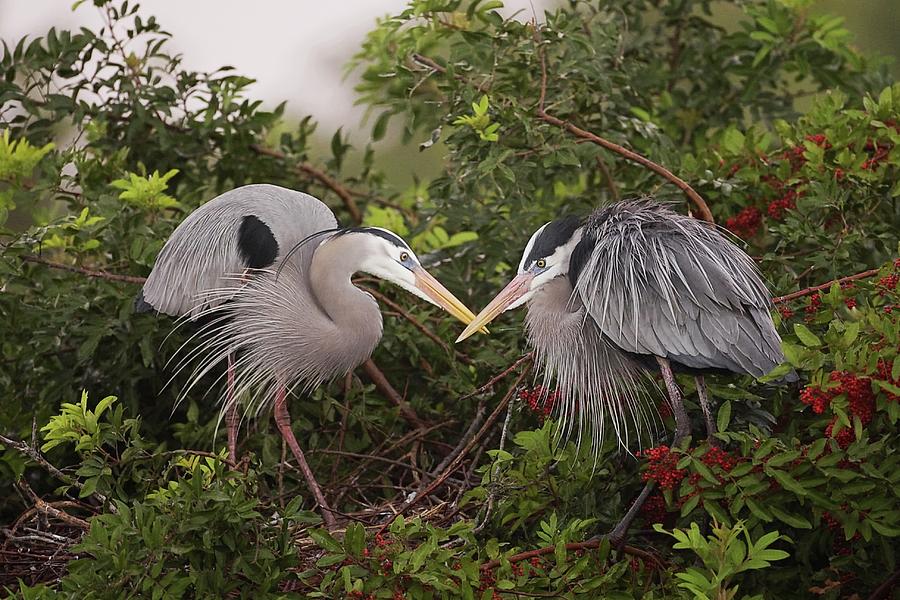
[83,271]
[884,590]
[493,380]
[384,386]
[35,455]
[824,286]
[456,462]
[52,511]
[307,169]
[699,202]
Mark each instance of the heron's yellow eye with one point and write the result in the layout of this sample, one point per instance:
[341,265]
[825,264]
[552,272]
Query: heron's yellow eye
[541,263]
[404,256]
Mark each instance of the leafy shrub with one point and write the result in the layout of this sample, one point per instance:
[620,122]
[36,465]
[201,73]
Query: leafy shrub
[789,135]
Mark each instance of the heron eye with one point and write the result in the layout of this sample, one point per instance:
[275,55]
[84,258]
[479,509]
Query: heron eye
[541,263]
[404,256]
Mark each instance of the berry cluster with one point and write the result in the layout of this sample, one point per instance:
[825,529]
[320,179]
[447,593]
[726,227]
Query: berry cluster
[815,303]
[779,206]
[540,400]
[661,467]
[786,312]
[746,224]
[859,394]
[654,509]
[877,153]
[888,284]
[716,457]
[815,397]
[884,373]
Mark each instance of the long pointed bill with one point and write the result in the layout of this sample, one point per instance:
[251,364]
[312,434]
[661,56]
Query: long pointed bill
[442,296]
[514,290]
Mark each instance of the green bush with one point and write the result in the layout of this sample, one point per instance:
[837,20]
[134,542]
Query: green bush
[789,135]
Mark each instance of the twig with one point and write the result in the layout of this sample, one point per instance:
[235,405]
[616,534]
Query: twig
[607,176]
[698,201]
[589,545]
[345,195]
[384,386]
[35,455]
[456,462]
[824,286]
[434,66]
[47,509]
[493,380]
[889,585]
[83,271]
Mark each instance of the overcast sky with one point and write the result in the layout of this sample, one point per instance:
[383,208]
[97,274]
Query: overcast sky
[295,50]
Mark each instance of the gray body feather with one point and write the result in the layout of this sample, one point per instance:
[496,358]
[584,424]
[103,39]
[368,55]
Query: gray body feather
[202,257]
[280,330]
[644,281]
[663,284]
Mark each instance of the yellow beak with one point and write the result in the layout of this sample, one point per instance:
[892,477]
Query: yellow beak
[514,290]
[441,296]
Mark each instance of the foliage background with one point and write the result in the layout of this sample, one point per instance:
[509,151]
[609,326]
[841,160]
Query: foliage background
[788,133]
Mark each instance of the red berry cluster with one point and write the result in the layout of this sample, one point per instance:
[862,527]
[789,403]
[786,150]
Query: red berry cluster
[884,373]
[661,467]
[795,157]
[540,400]
[815,397]
[815,303]
[716,457]
[877,153]
[779,206]
[654,509]
[859,394]
[819,139]
[746,223]
[888,284]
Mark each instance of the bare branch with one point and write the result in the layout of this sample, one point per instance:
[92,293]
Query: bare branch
[824,286]
[84,271]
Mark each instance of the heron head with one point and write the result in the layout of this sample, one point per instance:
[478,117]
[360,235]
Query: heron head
[387,256]
[546,257]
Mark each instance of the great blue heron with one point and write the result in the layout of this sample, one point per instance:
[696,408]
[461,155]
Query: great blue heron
[636,287]
[269,272]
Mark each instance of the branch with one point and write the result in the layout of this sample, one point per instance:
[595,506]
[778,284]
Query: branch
[456,462]
[434,66]
[83,271]
[35,455]
[307,169]
[47,509]
[493,380]
[542,114]
[889,585]
[824,286]
[589,545]
[384,386]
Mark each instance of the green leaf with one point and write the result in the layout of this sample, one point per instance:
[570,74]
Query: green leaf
[324,540]
[793,520]
[807,337]
[724,416]
[355,539]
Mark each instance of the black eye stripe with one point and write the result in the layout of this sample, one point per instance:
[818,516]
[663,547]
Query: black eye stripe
[554,235]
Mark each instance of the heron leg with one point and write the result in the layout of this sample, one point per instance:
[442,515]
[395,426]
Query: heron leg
[283,421]
[682,422]
[682,430]
[231,414]
[711,428]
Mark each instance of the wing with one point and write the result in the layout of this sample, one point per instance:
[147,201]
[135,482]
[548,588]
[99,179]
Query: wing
[664,284]
[250,227]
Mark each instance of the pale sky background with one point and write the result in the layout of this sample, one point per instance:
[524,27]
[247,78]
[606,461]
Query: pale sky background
[296,51]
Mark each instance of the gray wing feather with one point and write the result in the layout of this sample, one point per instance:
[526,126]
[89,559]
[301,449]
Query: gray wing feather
[202,257]
[664,284]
